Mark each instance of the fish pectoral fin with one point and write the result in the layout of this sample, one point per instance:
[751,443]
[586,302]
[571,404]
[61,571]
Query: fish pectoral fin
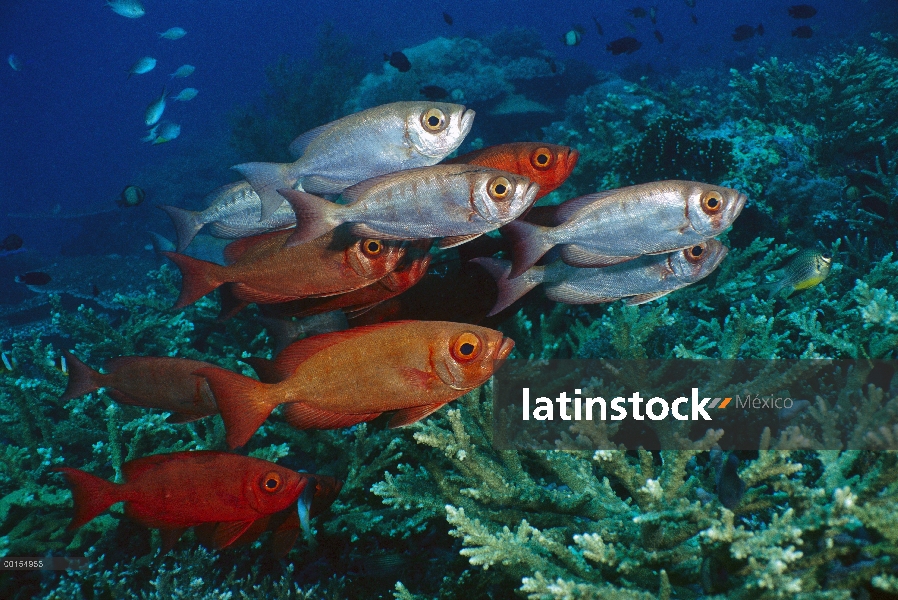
[577,256]
[643,298]
[407,416]
[456,240]
[303,416]
[169,538]
[566,295]
[243,292]
[227,533]
[366,231]
[299,145]
[417,378]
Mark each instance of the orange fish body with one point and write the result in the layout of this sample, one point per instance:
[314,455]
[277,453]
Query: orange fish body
[339,379]
[262,270]
[407,274]
[175,491]
[548,165]
[148,381]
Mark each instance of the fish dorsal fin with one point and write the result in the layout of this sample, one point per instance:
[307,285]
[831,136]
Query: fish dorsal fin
[566,210]
[227,533]
[300,351]
[577,256]
[298,146]
[238,248]
[643,298]
[407,416]
[303,416]
[456,240]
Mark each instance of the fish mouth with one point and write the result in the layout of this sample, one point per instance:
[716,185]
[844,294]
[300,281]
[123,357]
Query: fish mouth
[741,199]
[530,194]
[505,348]
[467,121]
[572,158]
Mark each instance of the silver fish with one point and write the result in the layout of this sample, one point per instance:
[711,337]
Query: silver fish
[618,225]
[640,280]
[143,65]
[173,33]
[377,141]
[454,202]
[183,71]
[126,8]
[186,95]
[155,110]
[233,213]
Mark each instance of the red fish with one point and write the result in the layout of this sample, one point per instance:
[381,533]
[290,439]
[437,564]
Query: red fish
[262,270]
[148,381]
[548,165]
[339,379]
[173,492]
[407,274]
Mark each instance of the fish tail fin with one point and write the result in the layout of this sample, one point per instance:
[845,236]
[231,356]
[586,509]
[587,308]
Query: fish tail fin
[241,401]
[529,243]
[90,494]
[198,277]
[314,216]
[267,179]
[187,224]
[509,290]
[82,379]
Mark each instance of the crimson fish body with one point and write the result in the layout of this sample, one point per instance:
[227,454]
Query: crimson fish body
[547,165]
[262,270]
[339,379]
[173,492]
[148,381]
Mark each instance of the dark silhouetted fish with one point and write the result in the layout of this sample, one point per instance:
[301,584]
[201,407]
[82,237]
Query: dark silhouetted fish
[659,37]
[802,11]
[12,242]
[598,26]
[624,45]
[637,12]
[574,36]
[34,278]
[448,18]
[690,3]
[653,15]
[746,32]
[131,196]
[398,60]
[434,92]
[694,19]
[730,487]
[804,32]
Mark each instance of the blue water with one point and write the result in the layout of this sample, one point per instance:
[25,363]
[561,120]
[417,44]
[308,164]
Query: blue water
[70,120]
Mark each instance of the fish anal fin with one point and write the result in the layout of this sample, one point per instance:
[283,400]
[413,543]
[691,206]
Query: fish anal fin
[170,537]
[577,256]
[226,533]
[456,240]
[643,298]
[407,416]
[303,416]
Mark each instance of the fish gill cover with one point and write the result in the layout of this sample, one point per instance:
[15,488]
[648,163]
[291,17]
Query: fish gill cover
[807,128]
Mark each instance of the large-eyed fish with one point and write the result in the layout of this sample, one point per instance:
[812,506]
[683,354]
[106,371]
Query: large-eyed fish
[453,202]
[638,281]
[260,269]
[232,213]
[377,141]
[618,225]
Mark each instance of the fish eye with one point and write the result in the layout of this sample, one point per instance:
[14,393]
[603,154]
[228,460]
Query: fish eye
[694,253]
[542,158]
[372,247]
[271,482]
[712,202]
[466,347]
[499,188]
[826,257]
[433,120]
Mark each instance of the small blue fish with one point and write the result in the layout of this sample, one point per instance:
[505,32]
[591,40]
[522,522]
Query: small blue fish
[15,62]
[174,33]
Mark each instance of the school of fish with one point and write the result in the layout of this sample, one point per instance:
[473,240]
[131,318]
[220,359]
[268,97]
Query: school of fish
[357,227]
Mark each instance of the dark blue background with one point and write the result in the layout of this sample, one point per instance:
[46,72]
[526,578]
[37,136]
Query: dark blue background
[70,121]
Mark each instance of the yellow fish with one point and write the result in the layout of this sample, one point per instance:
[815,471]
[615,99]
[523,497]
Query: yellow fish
[806,269]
